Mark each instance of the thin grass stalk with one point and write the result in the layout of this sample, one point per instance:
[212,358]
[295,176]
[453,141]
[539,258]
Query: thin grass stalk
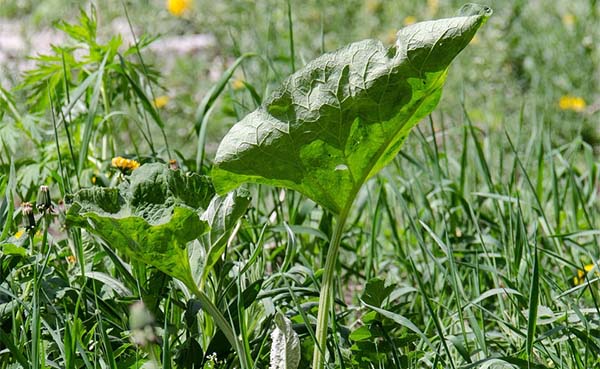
[145,72]
[63,185]
[35,321]
[206,106]
[9,194]
[66,124]
[92,111]
[291,31]
[242,319]
[38,273]
[434,317]
[166,347]
[104,340]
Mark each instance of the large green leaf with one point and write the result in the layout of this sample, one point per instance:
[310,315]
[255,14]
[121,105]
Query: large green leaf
[150,217]
[344,116]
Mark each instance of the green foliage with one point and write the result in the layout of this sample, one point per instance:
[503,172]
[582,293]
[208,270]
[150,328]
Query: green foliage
[338,121]
[150,218]
[376,292]
[344,116]
[221,215]
[62,76]
[80,95]
[476,246]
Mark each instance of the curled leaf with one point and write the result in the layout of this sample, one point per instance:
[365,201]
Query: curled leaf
[285,350]
[222,214]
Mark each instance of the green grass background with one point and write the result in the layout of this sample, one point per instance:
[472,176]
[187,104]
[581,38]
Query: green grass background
[480,224]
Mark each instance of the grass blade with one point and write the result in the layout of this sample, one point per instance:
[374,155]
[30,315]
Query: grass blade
[203,112]
[10,190]
[87,135]
[534,296]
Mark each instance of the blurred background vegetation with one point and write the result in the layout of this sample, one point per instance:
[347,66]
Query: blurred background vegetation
[531,54]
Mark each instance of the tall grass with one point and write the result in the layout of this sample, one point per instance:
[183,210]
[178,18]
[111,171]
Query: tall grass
[478,227]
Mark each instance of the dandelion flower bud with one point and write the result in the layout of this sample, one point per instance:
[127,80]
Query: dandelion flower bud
[28,218]
[44,203]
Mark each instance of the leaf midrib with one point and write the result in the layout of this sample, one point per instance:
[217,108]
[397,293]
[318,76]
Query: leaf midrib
[379,153]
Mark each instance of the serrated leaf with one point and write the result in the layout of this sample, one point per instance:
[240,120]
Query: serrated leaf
[150,217]
[339,120]
[99,199]
[376,292]
[150,192]
[285,350]
[160,245]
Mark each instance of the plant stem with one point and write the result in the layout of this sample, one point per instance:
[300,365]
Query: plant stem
[35,321]
[326,295]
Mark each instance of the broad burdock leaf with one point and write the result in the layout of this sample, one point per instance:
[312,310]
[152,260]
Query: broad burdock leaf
[338,121]
[151,216]
[285,349]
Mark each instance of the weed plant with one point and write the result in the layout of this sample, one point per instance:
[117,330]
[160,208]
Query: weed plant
[476,247]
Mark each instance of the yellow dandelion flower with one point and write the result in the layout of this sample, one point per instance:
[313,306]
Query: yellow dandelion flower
[161,101]
[19,233]
[580,279]
[411,19]
[178,7]
[124,164]
[574,103]
[568,20]
[173,164]
[237,84]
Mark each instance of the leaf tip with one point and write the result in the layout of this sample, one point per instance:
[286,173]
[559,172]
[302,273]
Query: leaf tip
[471,9]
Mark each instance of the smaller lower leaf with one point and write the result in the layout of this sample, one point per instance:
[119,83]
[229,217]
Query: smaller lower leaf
[150,216]
[162,246]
